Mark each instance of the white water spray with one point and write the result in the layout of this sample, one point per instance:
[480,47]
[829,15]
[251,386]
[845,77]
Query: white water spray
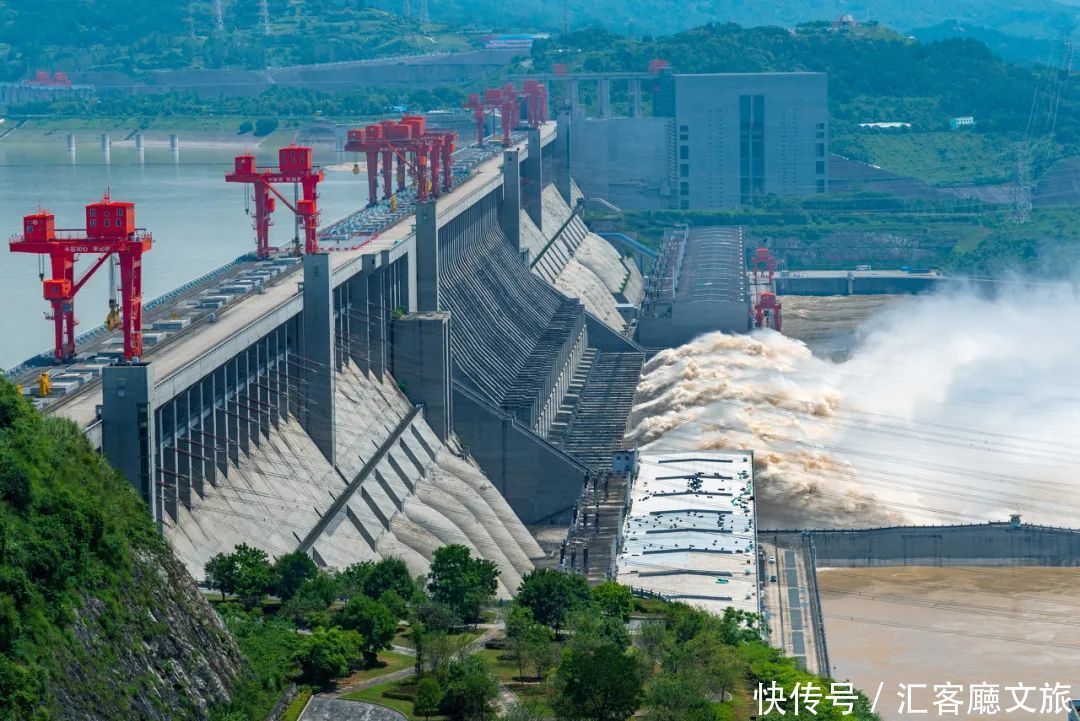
[952,408]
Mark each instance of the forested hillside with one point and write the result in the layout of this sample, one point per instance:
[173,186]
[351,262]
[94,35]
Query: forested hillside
[135,35]
[97,619]
[1031,18]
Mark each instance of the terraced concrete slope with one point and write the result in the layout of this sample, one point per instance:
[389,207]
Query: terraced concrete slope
[399,491]
[578,262]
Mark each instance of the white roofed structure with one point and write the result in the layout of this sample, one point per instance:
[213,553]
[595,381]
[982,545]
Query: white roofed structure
[690,532]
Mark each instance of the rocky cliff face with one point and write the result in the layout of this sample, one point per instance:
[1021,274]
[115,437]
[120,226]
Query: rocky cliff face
[160,652]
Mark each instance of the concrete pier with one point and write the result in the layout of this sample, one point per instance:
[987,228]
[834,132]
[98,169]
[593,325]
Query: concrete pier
[511,203]
[532,181]
[127,420]
[318,354]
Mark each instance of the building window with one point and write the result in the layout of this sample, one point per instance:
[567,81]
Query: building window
[684,171]
[820,169]
[820,185]
[819,150]
[684,137]
[684,188]
[751,147]
[684,152]
[685,205]
[684,128]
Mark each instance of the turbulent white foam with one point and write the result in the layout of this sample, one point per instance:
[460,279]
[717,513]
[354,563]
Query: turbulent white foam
[952,408]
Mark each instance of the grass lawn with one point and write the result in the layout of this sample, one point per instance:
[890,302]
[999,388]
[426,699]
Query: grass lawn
[938,158]
[374,694]
[388,662]
[297,706]
[505,668]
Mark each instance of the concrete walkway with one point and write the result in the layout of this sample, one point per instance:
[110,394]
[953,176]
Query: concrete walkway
[321,708]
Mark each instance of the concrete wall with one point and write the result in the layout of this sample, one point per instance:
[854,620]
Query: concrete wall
[707,114]
[537,479]
[992,544]
[624,160]
[858,285]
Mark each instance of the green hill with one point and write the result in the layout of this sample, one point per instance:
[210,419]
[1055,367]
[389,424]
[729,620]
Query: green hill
[135,36]
[1032,18]
[97,619]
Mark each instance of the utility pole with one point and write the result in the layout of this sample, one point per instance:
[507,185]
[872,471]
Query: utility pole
[406,11]
[565,18]
[264,16]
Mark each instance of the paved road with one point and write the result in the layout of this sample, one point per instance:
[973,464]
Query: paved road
[321,708]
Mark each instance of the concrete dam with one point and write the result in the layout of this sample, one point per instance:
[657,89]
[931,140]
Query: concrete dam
[461,374]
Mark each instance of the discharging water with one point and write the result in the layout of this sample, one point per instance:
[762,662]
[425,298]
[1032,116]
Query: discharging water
[941,409]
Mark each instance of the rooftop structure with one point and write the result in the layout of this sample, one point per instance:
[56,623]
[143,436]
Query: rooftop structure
[698,285]
[690,532]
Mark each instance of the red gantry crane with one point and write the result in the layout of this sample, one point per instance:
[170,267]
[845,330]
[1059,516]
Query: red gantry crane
[294,166]
[110,229]
[425,155]
[767,307]
[507,101]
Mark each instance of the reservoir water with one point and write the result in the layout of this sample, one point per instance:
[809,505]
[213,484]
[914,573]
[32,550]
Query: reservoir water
[198,221]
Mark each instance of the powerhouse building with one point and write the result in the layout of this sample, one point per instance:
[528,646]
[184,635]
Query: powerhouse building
[712,141]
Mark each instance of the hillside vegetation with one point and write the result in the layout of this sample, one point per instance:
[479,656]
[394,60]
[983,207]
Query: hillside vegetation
[1032,18]
[133,36]
[97,619]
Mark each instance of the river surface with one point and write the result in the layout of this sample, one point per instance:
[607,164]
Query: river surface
[927,627]
[197,220]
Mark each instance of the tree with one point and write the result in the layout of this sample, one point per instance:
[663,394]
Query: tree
[614,600]
[351,579]
[309,604]
[253,574]
[437,617]
[290,571]
[372,620]
[246,571]
[601,683]
[518,622]
[428,697]
[469,688]
[390,574]
[588,630]
[462,582]
[329,653]
[540,649]
[220,573]
[553,596]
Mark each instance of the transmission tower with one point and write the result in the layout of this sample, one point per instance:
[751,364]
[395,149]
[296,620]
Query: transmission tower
[219,16]
[1035,152]
[264,16]
[406,10]
[425,19]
